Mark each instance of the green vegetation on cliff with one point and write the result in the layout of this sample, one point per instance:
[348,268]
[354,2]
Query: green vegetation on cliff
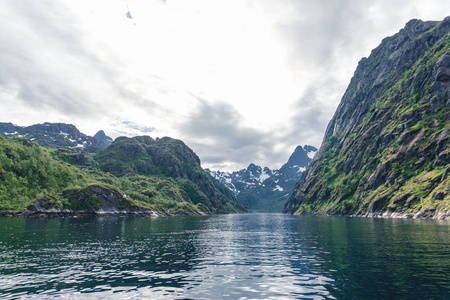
[387,147]
[28,172]
[117,179]
[167,158]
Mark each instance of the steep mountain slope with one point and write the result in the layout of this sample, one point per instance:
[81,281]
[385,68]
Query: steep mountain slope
[68,181]
[264,190]
[386,149]
[54,135]
[285,178]
[167,158]
[104,140]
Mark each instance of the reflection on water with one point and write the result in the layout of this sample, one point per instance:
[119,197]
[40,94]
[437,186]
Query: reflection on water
[251,256]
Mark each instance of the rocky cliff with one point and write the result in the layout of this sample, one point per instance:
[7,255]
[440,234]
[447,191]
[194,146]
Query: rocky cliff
[386,149]
[265,190]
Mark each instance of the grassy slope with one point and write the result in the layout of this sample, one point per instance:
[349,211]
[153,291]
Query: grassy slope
[168,158]
[29,172]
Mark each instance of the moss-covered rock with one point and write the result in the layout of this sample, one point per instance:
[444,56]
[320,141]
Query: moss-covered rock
[94,197]
[76,157]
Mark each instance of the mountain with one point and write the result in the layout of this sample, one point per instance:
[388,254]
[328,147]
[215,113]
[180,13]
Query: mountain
[103,138]
[291,172]
[167,158]
[386,149]
[237,181]
[263,189]
[133,176]
[54,135]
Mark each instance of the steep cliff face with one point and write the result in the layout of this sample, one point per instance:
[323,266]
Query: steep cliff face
[386,149]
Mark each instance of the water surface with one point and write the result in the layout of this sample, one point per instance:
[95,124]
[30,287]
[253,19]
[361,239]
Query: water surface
[250,256]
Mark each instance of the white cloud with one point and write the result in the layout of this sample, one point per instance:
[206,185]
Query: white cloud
[262,75]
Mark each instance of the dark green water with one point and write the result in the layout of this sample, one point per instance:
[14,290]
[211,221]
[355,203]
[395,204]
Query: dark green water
[252,256]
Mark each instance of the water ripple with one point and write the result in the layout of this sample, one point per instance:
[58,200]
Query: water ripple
[254,256]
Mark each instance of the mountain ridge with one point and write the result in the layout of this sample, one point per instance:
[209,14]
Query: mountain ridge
[55,135]
[136,176]
[262,189]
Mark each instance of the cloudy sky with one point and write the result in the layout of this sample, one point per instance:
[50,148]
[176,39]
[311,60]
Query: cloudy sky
[239,81]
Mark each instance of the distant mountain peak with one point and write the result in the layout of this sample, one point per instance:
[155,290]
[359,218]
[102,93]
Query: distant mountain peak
[103,138]
[302,156]
[53,135]
[263,189]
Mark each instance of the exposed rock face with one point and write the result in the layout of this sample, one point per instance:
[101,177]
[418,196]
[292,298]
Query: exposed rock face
[262,189]
[103,138]
[76,157]
[53,135]
[243,179]
[96,197]
[93,198]
[386,148]
[293,170]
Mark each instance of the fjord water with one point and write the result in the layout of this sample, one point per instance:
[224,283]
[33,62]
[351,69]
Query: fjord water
[248,256]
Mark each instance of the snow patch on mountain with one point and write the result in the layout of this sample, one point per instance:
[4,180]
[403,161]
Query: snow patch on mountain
[255,183]
[53,135]
[310,151]
[64,134]
[299,169]
[311,154]
[278,188]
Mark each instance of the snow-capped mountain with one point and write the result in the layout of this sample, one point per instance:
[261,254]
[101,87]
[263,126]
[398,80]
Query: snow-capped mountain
[237,181]
[54,135]
[263,189]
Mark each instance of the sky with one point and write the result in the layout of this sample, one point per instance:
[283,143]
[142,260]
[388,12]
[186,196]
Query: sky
[239,81]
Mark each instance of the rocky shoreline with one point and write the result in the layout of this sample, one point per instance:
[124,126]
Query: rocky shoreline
[66,213]
[439,215]
[433,215]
